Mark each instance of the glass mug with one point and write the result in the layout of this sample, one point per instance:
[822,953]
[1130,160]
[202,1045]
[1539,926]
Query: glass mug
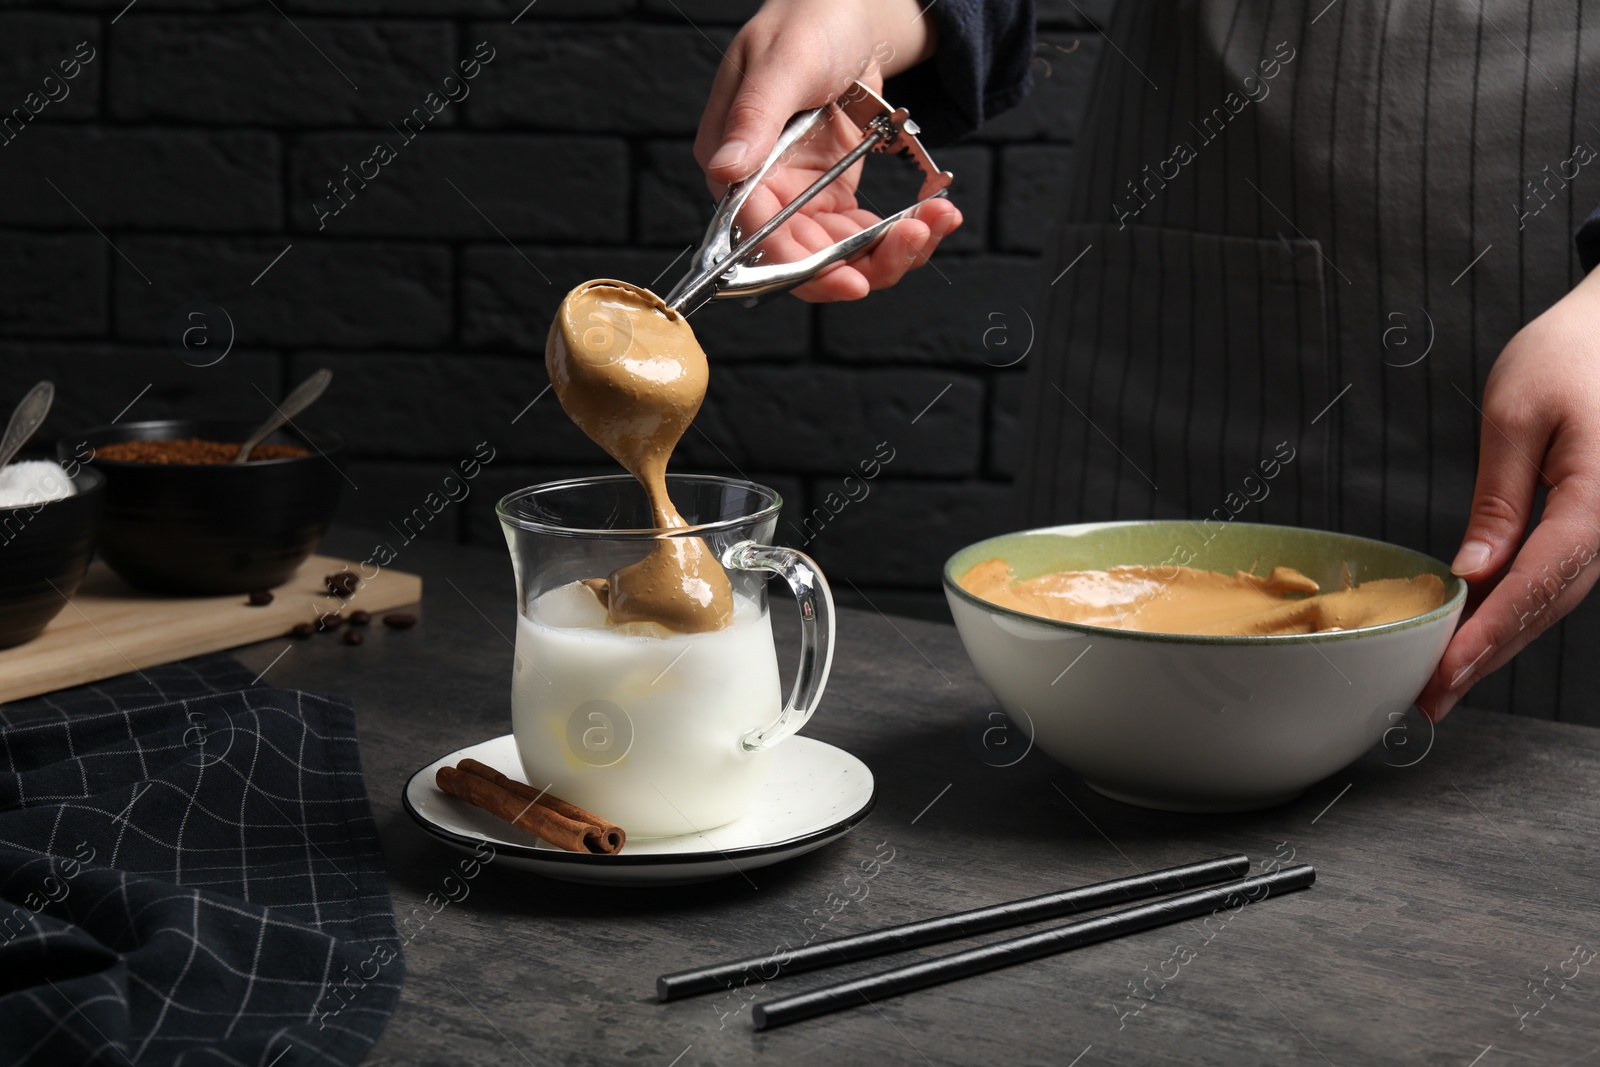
[662,735]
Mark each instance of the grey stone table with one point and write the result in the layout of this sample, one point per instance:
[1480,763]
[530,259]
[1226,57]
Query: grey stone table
[1454,919]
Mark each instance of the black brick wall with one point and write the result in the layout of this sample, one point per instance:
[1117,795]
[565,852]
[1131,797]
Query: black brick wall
[190,151]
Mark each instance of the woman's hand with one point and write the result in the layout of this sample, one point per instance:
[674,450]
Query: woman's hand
[1541,424]
[795,55]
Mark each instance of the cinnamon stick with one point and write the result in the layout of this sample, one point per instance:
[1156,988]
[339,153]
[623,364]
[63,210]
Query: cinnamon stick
[539,796]
[564,825]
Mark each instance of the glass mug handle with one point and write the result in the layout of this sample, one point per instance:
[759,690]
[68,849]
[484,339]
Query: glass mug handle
[811,593]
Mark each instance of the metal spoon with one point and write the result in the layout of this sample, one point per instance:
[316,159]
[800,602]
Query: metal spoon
[305,394]
[26,419]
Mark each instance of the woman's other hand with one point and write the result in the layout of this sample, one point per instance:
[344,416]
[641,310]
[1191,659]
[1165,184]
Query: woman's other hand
[1541,424]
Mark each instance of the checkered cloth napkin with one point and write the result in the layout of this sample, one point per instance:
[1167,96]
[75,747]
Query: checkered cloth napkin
[189,874]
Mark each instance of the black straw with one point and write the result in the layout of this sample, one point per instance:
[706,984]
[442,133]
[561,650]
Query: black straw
[891,983]
[719,976]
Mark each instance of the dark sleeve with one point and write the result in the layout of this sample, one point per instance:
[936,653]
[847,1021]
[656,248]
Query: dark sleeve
[983,66]
[1588,238]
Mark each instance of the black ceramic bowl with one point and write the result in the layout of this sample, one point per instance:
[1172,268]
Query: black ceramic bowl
[214,528]
[44,550]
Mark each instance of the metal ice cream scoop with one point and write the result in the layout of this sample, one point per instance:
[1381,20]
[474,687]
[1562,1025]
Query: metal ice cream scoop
[726,264]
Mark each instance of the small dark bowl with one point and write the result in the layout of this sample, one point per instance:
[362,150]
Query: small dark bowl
[44,550]
[207,530]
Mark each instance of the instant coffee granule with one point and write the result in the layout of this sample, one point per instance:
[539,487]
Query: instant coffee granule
[192,451]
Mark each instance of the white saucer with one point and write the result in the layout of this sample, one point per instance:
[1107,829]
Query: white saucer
[814,794]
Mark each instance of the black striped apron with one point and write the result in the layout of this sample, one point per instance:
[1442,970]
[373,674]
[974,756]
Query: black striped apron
[1312,229]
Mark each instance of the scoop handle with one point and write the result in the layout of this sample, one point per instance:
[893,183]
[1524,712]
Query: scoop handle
[27,418]
[305,394]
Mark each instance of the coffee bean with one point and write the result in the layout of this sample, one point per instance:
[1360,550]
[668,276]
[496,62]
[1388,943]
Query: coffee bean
[353,637]
[260,597]
[301,629]
[342,583]
[331,621]
[400,620]
[360,618]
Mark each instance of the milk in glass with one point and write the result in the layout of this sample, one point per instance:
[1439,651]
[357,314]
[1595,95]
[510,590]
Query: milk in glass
[643,728]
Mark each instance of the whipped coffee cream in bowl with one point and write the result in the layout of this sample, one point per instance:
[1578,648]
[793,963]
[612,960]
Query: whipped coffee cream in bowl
[1224,674]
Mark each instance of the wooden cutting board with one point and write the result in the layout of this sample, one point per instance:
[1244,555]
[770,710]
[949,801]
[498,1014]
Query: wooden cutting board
[110,628]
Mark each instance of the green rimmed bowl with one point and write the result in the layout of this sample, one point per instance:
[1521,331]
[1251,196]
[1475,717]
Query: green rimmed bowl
[1201,723]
